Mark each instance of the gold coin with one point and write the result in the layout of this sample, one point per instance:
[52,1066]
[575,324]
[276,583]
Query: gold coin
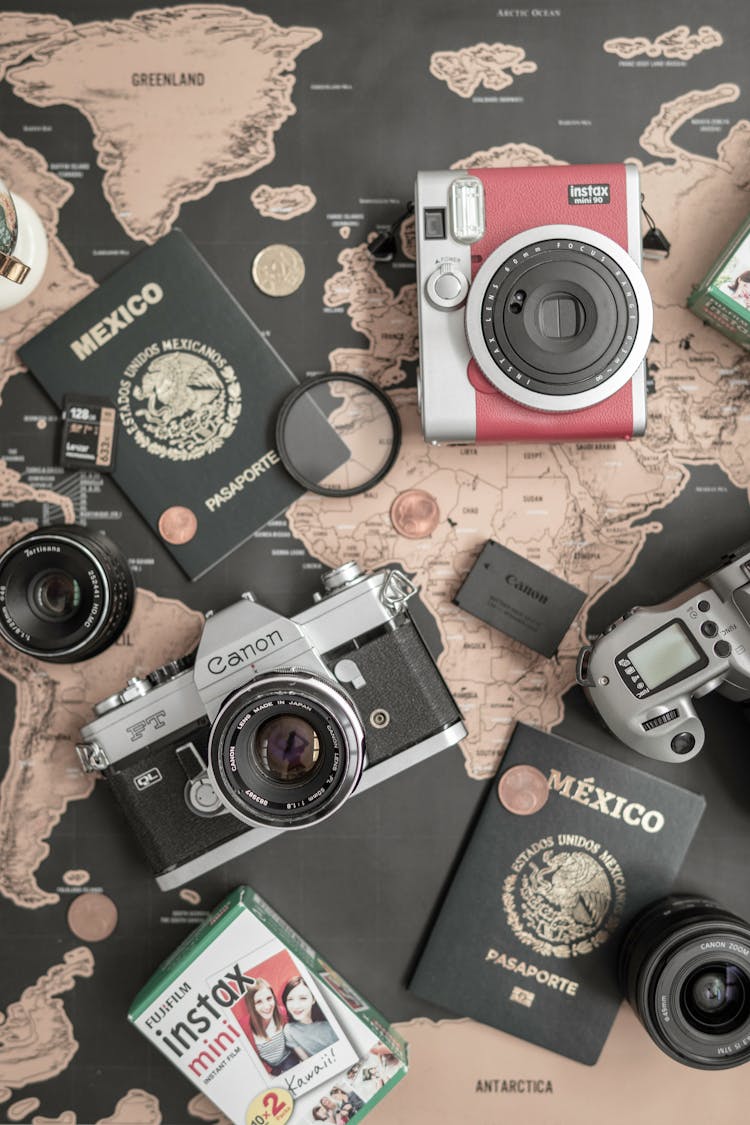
[278,270]
[415,514]
[92,917]
[523,790]
[178,525]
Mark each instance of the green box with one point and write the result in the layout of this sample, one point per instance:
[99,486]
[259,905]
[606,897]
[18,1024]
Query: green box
[263,1026]
[722,299]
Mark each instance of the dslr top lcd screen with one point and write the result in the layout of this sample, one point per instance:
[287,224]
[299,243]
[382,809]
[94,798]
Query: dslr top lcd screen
[664,656]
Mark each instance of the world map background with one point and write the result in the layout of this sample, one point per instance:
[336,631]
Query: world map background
[374,96]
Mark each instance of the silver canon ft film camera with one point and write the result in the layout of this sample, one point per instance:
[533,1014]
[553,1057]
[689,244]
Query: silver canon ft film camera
[270,724]
[643,673]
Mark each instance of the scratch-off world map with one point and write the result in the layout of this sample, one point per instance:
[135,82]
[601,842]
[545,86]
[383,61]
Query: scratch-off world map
[305,124]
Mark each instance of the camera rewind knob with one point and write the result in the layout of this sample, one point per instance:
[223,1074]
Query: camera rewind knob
[170,670]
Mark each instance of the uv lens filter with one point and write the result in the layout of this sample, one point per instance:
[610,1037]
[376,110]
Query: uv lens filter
[363,421]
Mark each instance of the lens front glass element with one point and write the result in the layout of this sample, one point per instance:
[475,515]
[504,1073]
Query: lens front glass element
[55,596]
[286,748]
[715,998]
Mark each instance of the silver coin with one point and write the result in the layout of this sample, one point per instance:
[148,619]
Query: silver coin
[278,270]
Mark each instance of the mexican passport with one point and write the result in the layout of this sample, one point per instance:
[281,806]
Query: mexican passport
[196,389]
[569,846]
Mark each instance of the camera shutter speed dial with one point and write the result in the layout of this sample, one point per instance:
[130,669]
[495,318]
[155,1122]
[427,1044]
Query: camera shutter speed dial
[447,287]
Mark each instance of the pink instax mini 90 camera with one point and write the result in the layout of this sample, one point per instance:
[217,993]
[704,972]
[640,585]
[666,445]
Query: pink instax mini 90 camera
[534,316]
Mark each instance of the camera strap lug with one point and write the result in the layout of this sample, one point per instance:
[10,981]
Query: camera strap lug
[396,591]
[91,757]
[583,675]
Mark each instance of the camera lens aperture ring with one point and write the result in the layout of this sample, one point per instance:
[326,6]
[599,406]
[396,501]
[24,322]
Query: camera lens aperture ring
[66,593]
[674,945]
[286,750]
[579,312]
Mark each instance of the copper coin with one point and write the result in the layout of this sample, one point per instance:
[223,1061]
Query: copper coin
[92,917]
[178,525]
[523,790]
[415,514]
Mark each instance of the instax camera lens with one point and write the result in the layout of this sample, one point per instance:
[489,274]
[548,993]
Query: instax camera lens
[66,594]
[685,968]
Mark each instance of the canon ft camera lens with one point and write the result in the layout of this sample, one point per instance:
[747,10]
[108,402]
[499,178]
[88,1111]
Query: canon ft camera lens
[66,593]
[685,968]
[286,751]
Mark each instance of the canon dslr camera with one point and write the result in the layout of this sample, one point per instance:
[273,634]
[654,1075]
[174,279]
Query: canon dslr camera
[534,316]
[271,723]
[645,670]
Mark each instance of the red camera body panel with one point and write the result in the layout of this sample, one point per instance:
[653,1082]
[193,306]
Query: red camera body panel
[518,199]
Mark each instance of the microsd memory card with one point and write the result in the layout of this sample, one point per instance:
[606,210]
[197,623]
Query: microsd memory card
[89,433]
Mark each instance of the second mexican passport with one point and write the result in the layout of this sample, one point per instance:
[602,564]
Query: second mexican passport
[568,847]
[196,388]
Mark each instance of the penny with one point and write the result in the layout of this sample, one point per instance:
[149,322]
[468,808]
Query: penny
[92,917]
[178,525]
[523,790]
[278,270]
[415,514]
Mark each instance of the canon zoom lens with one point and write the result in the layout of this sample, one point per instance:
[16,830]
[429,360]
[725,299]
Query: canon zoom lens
[66,594]
[286,751]
[685,968]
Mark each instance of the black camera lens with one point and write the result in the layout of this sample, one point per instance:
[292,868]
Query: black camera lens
[685,968]
[286,750]
[66,593]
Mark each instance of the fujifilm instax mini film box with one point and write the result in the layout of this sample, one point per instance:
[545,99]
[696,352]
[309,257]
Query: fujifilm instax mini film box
[263,1027]
[722,299]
